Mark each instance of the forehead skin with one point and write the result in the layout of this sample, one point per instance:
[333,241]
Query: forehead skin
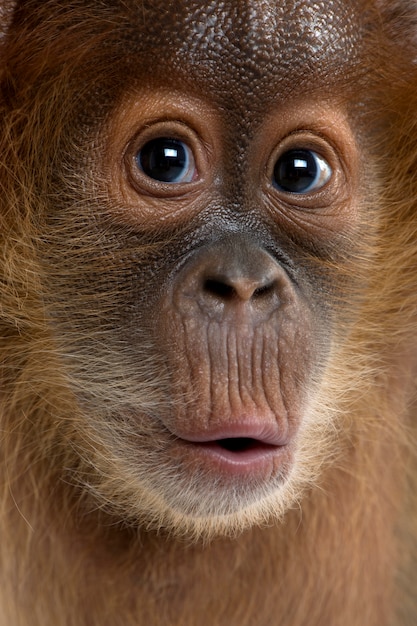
[247,52]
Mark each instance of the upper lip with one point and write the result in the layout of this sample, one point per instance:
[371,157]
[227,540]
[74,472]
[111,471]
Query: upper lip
[266,432]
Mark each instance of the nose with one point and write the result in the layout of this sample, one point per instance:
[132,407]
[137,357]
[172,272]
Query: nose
[232,274]
[234,280]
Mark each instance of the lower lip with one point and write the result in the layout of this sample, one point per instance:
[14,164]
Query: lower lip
[257,459]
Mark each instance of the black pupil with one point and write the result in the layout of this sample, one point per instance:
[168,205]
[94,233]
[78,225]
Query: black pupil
[163,159]
[295,171]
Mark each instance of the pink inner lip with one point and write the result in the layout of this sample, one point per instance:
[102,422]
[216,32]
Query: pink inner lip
[238,451]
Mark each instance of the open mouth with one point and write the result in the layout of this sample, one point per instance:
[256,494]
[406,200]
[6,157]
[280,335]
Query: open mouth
[241,444]
[251,447]
[238,455]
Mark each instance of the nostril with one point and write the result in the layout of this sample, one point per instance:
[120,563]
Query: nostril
[241,288]
[264,291]
[231,280]
[219,288]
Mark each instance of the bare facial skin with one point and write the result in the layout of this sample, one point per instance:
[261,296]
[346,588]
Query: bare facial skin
[230,308]
[208,320]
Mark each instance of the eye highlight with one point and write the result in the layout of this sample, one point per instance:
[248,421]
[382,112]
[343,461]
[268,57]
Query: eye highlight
[167,160]
[301,171]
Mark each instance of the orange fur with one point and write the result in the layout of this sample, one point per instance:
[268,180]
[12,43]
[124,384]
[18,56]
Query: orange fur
[344,554]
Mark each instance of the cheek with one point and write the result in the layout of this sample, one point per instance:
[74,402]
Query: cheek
[195,382]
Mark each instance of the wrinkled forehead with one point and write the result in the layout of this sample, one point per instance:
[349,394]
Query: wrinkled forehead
[247,48]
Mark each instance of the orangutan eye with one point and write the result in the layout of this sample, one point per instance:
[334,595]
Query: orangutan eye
[167,160]
[301,171]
